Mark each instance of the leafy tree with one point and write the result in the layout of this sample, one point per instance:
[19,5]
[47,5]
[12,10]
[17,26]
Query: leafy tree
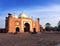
[59,23]
[47,26]
[59,26]
[54,28]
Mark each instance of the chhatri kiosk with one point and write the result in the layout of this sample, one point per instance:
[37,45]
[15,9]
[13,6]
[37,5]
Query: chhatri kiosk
[21,24]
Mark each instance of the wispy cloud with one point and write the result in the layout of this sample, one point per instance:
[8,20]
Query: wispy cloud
[46,14]
[49,14]
[2,22]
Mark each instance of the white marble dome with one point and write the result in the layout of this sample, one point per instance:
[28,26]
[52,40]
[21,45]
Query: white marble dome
[22,15]
[14,16]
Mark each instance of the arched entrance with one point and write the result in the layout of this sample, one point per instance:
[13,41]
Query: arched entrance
[17,29]
[34,30]
[27,27]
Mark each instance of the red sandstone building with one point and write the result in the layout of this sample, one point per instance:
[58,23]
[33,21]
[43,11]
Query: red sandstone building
[21,24]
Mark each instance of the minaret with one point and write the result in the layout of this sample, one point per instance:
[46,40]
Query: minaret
[38,20]
[9,15]
[7,22]
[38,24]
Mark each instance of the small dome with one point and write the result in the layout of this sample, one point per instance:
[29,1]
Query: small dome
[22,15]
[15,16]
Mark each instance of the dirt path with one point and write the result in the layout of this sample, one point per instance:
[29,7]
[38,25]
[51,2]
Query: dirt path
[29,39]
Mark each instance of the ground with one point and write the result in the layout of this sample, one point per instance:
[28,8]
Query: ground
[28,39]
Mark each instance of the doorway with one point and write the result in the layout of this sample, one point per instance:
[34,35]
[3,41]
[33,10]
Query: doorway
[27,27]
[17,29]
[34,30]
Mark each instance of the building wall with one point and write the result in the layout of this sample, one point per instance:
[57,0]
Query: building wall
[13,23]
[27,21]
[36,25]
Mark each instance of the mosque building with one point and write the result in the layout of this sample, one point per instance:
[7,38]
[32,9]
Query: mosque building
[21,24]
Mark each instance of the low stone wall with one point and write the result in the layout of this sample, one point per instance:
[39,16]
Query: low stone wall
[3,30]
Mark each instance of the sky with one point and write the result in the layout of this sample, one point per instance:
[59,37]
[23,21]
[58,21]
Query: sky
[46,10]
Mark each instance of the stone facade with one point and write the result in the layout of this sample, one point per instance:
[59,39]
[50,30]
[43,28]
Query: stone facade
[21,24]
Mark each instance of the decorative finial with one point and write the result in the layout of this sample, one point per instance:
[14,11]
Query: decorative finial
[37,18]
[9,14]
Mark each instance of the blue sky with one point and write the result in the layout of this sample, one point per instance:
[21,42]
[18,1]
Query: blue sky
[46,10]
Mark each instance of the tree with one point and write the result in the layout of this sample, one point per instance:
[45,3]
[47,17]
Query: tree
[47,26]
[53,28]
[59,26]
[59,23]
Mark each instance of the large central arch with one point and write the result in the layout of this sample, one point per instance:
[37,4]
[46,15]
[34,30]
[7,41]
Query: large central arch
[27,27]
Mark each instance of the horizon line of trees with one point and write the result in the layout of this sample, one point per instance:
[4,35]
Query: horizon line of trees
[48,27]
